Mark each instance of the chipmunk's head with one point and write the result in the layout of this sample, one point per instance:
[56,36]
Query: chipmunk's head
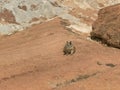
[69,42]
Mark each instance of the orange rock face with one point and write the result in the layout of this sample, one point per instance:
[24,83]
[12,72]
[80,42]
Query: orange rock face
[107,28]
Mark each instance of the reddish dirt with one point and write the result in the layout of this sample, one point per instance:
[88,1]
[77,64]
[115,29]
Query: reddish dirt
[33,60]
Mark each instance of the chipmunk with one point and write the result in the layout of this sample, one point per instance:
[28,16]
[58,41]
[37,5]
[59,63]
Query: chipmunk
[69,48]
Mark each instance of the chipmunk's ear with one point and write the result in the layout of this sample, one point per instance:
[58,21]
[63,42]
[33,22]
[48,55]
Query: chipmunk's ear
[70,42]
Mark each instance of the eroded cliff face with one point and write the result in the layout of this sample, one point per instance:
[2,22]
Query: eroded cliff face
[16,15]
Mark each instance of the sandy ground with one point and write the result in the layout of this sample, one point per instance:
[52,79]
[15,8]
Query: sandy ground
[33,60]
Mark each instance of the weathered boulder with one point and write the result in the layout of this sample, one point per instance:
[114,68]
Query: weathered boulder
[107,27]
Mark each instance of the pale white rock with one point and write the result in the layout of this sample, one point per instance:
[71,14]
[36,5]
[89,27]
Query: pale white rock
[46,9]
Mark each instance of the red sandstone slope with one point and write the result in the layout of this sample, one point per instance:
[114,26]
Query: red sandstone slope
[33,60]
